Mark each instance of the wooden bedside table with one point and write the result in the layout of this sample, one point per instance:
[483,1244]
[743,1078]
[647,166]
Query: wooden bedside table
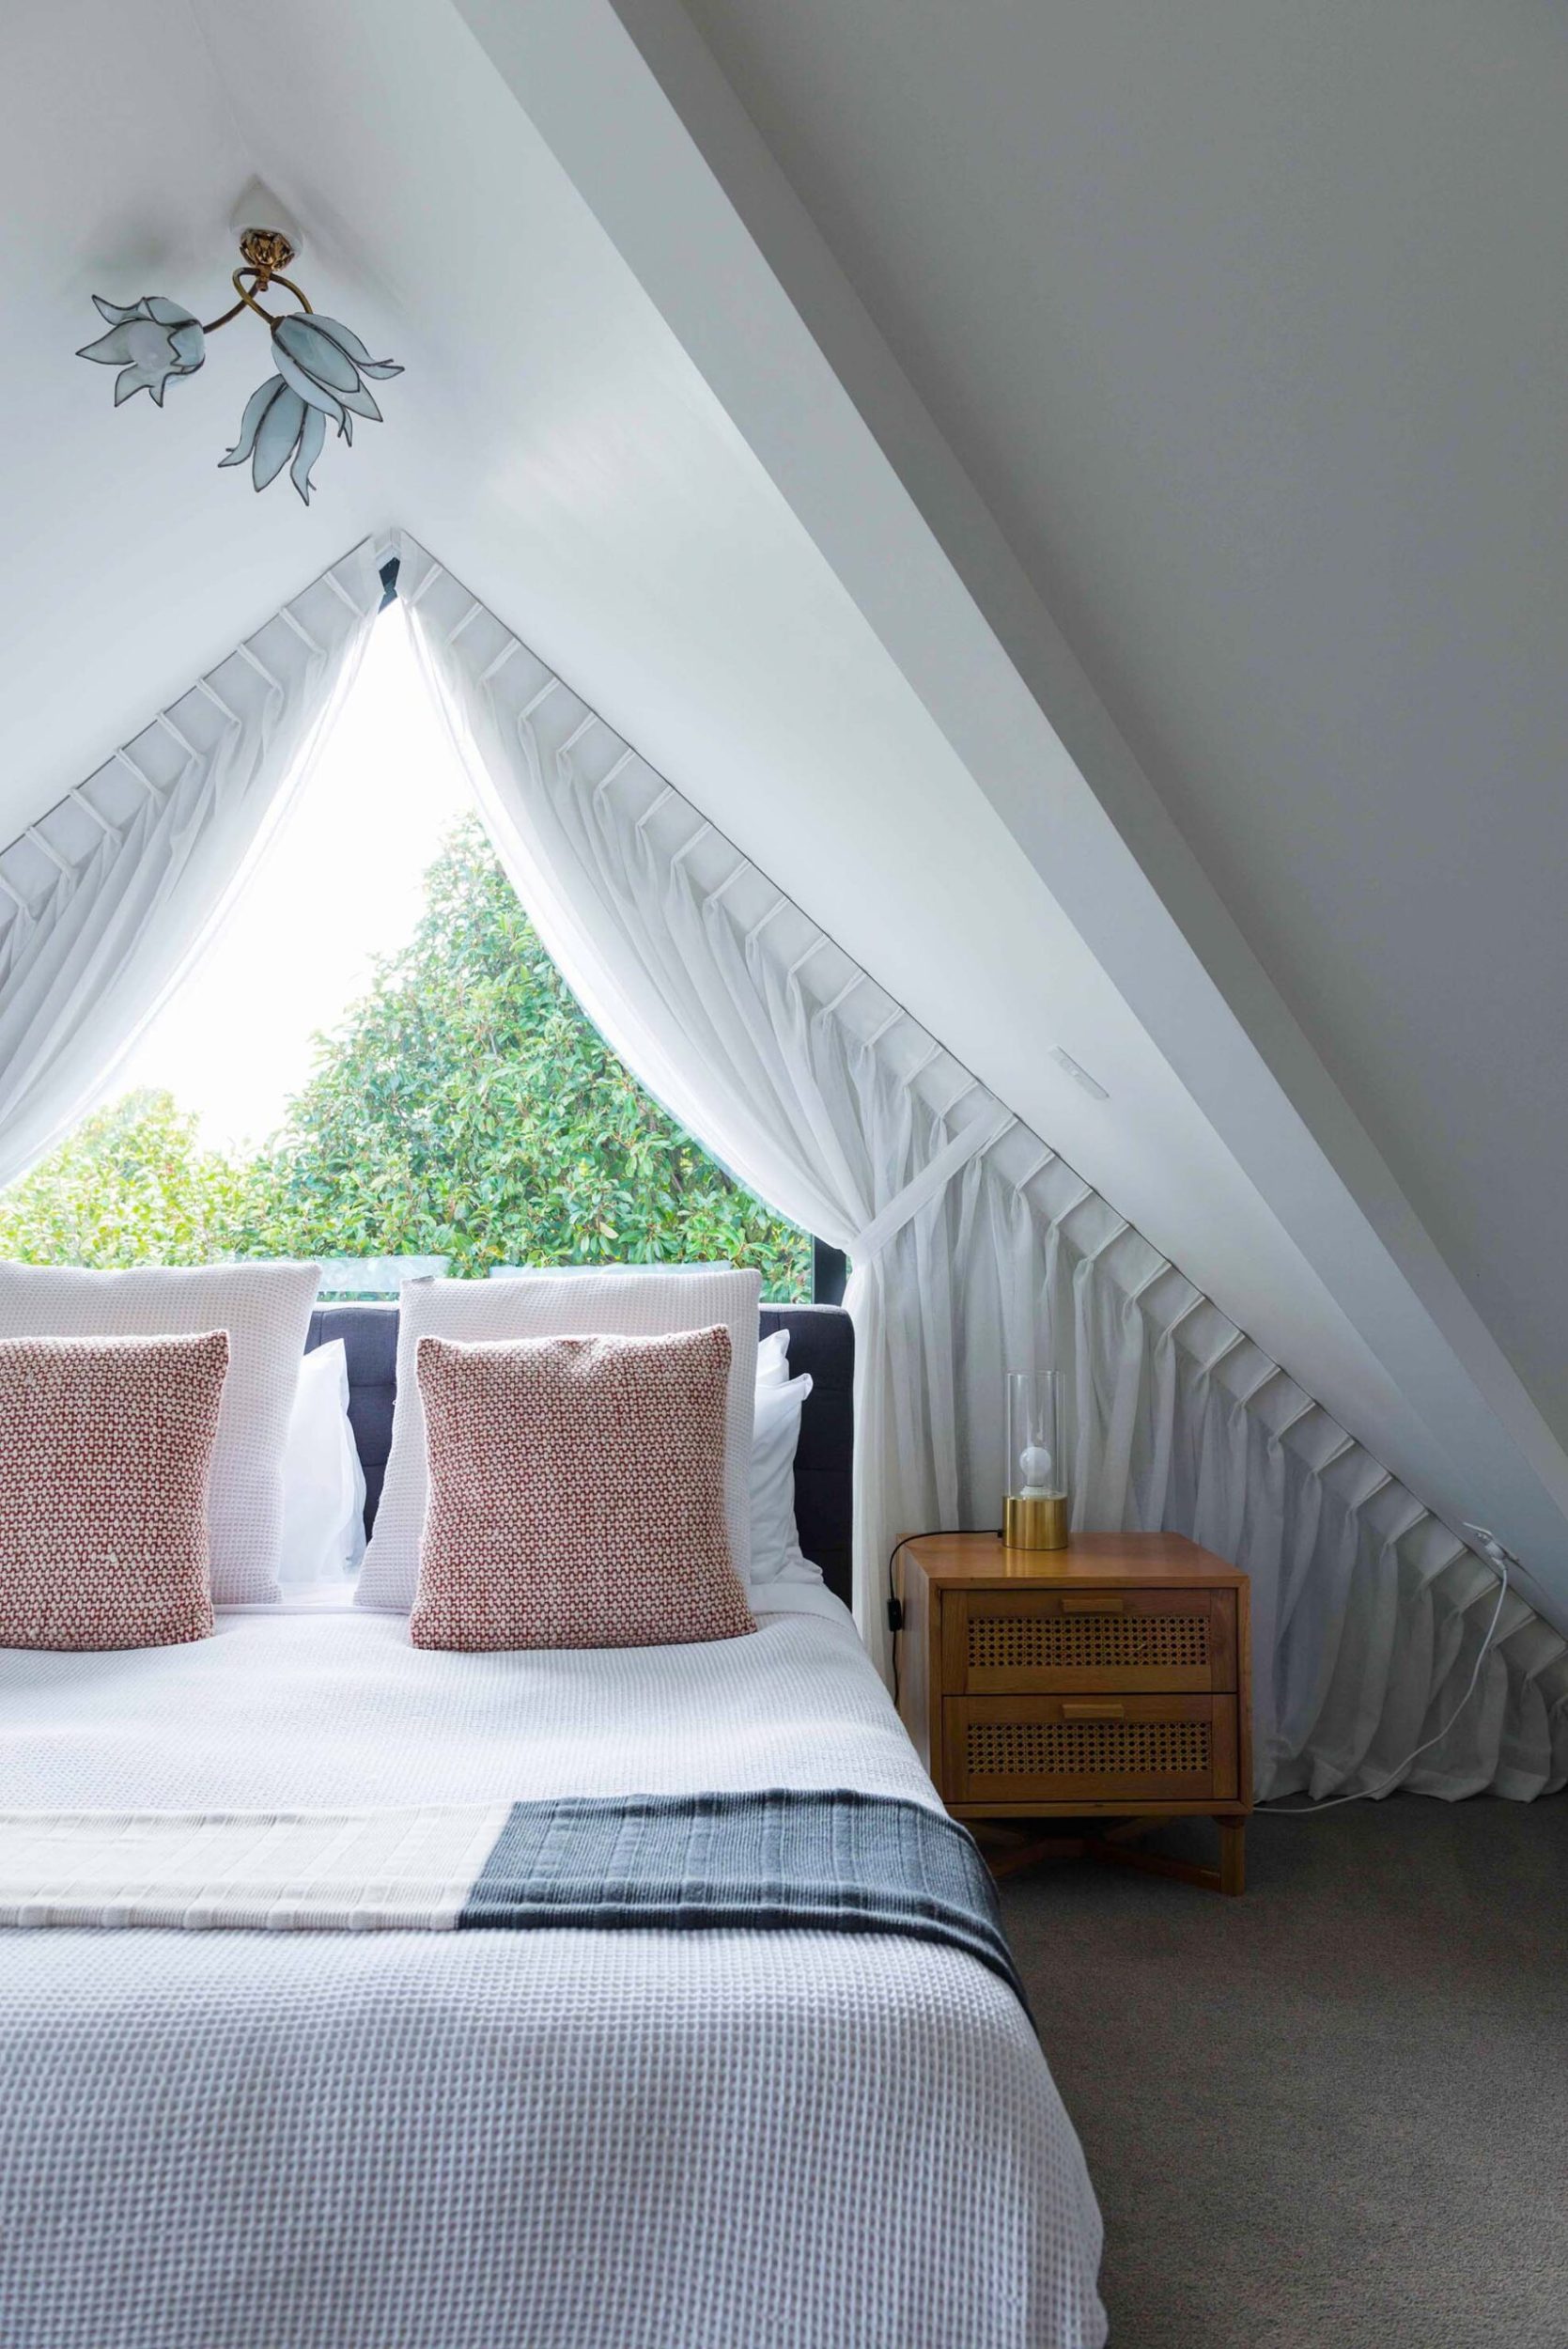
[1110,1680]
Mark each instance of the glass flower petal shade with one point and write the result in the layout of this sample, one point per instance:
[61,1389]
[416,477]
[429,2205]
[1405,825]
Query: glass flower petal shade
[149,341]
[275,427]
[327,365]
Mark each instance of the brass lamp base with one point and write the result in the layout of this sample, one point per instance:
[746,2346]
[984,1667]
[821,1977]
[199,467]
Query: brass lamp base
[1035,1524]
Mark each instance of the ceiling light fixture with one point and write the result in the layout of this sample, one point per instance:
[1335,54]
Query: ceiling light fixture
[321,367]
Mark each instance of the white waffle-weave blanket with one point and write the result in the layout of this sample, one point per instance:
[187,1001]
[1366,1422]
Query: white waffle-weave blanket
[507,2141]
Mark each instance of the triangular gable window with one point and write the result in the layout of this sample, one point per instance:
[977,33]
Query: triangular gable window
[375,1060]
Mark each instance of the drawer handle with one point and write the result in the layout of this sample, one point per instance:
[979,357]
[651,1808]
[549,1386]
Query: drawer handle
[1094,1712]
[1099,1603]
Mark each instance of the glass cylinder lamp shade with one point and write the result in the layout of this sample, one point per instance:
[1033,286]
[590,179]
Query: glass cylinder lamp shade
[1035,1509]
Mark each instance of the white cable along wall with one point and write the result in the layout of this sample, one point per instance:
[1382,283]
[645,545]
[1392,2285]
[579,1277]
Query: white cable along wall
[975,1248]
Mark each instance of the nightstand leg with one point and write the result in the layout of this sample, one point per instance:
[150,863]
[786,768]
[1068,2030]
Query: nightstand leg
[1233,1854]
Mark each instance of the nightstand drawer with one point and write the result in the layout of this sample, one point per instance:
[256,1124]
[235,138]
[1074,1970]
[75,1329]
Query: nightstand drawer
[1101,1748]
[1044,1639]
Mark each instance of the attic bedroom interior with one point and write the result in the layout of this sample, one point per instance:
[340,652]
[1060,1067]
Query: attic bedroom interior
[784,1424]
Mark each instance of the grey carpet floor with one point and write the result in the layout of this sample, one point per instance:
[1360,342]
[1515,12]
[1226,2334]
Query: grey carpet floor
[1332,2114]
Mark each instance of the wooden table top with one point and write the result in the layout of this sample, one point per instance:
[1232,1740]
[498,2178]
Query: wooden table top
[979,1558]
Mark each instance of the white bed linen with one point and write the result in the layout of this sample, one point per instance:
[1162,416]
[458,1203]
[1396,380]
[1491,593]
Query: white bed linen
[556,2140]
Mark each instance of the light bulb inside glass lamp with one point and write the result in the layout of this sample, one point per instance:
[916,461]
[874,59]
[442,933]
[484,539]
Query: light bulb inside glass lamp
[1035,1460]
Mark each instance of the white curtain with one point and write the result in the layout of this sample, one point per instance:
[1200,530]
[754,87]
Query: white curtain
[108,897]
[974,1250]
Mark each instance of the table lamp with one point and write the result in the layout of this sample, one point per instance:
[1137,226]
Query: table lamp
[1035,1511]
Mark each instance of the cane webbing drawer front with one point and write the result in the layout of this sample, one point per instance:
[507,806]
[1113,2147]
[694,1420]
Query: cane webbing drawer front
[1031,1749]
[997,1641]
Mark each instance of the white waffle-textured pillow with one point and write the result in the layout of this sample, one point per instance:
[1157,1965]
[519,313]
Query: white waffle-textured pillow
[633,1304]
[266,1310]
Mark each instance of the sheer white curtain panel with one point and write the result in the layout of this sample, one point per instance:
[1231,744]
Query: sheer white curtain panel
[107,898]
[974,1250]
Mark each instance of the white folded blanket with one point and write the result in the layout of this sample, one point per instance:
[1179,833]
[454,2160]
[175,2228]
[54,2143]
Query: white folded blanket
[289,1871]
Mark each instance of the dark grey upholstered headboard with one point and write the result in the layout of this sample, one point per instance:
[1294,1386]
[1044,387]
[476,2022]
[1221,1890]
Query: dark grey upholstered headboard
[821,1341]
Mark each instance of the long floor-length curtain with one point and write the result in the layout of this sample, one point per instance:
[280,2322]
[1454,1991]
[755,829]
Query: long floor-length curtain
[975,1248]
[105,899]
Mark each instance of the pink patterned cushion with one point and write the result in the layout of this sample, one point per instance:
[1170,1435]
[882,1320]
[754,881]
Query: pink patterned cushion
[577,1494]
[105,1445]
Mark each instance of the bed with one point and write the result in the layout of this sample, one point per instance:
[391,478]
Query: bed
[558,2139]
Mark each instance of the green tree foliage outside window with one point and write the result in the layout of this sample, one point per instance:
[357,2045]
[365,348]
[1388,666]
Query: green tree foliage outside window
[131,1185]
[465,1108]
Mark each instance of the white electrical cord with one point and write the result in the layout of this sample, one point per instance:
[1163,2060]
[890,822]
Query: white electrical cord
[1496,1555]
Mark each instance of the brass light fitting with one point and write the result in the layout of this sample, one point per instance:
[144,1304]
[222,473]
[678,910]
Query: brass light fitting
[1034,1522]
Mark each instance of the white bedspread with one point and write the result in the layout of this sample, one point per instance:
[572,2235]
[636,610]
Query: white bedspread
[497,2141]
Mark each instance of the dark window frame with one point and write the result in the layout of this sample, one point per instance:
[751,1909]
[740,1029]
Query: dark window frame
[830,1271]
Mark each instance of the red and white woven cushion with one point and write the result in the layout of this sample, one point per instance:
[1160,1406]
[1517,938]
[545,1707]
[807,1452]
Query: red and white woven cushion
[105,1446]
[577,1494]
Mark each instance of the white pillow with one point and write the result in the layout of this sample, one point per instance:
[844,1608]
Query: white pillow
[635,1304]
[266,1310]
[324,1483]
[574,1272]
[772,1351]
[776,1553]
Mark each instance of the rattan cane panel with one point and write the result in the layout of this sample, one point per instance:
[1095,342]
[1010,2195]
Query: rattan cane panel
[1132,1748]
[1108,1642]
